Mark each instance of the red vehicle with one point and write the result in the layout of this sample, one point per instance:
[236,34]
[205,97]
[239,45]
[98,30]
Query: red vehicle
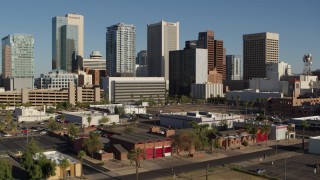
[25,131]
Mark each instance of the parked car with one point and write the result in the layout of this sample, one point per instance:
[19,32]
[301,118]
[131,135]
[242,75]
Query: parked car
[260,171]
[7,135]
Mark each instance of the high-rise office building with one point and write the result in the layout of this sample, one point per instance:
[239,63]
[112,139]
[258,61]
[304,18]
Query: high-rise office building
[219,58]
[121,49]
[142,64]
[162,38]
[206,41]
[186,67]
[233,67]
[259,50]
[18,61]
[67,40]
[142,58]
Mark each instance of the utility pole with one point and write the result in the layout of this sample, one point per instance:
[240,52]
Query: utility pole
[207,171]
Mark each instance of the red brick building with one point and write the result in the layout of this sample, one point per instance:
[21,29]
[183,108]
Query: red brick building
[154,146]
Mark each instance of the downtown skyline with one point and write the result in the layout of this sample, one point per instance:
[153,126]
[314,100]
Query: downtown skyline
[297,28]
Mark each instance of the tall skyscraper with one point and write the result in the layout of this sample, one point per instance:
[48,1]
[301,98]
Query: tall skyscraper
[142,58]
[162,38]
[206,41]
[121,49]
[233,67]
[18,61]
[219,58]
[67,40]
[188,66]
[259,50]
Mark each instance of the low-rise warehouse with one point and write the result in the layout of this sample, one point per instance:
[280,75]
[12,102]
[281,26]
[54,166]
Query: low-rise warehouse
[83,117]
[183,119]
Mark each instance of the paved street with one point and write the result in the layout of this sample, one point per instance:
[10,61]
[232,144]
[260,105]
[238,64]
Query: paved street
[297,167]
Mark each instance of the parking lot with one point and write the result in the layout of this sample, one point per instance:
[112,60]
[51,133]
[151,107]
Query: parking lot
[294,167]
[15,144]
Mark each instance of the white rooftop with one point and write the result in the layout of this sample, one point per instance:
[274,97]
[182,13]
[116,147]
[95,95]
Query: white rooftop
[57,157]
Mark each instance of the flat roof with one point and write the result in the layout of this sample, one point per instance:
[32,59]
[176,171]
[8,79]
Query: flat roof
[56,157]
[138,137]
[120,148]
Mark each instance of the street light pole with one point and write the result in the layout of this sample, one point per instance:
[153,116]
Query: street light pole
[285,168]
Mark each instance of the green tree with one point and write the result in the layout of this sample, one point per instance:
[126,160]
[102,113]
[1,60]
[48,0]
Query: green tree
[2,106]
[186,141]
[47,166]
[53,126]
[136,155]
[13,127]
[5,170]
[184,100]
[81,154]
[245,144]
[93,144]
[119,110]
[202,131]
[2,126]
[304,125]
[128,130]
[104,120]
[89,119]
[9,118]
[35,163]
[246,104]
[266,129]
[62,117]
[73,130]
[64,164]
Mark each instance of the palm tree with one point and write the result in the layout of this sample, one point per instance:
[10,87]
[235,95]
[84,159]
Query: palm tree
[136,155]
[289,129]
[13,127]
[266,129]
[64,164]
[304,125]
[62,117]
[89,118]
[238,102]
[246,104]
[81,154]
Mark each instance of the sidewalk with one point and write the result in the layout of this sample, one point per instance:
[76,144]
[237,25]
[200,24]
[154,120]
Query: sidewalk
[119,168]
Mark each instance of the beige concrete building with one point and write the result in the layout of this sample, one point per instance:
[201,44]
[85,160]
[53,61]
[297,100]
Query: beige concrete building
[42,96]
[74,170]
[126,89]
[259,50]
[162,38]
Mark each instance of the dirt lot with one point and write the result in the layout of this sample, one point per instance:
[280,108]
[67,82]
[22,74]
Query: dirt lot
[215,173]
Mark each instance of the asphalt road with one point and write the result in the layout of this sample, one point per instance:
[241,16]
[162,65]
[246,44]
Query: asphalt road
[202,165]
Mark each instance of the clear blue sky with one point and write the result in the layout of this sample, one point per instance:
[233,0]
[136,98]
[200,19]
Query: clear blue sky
[297,22]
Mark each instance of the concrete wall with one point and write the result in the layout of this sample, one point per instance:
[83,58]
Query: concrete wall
[314,145]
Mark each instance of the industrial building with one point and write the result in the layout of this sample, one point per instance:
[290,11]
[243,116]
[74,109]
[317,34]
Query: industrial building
[83,117]
[183,119]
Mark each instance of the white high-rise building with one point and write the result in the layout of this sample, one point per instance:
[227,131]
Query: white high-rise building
[121,49]
[162,38]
